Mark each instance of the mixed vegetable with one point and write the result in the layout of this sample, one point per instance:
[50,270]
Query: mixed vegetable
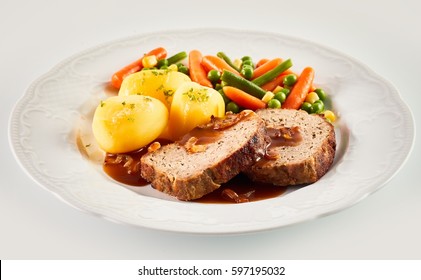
[192,87]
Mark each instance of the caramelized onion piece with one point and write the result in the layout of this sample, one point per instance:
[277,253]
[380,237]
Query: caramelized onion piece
[127,161]
[191,146]
[229,120]
[231,195]
[153,147]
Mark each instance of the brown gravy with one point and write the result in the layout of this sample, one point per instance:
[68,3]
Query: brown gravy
[244,188]
[211,132]
[284,136]
[125,168]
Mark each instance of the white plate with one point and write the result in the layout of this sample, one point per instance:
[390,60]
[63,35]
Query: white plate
[375,135]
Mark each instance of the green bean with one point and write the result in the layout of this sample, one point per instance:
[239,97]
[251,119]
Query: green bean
[243,84]
[176,58]
[272,74]
[162,62]
[227,60]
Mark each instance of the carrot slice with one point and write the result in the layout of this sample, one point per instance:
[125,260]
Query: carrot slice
[197,72]
[266,67]
[300,90]
[243,99]
[217,63]
[118,77]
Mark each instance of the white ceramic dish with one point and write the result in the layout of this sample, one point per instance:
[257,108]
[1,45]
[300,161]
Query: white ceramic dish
[374,136]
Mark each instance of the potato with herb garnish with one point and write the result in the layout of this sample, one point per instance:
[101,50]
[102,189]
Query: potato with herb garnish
[126,123]
[160,84]
[193,105]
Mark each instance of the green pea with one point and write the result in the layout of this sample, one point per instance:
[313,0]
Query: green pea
[248,62]
[218,86]
[321,93]
[281,96]
[274,103]
[306,106]
[290,80]
[285,90]
[214,76]
[246,58]
[233,107]
[163,67]
[183,69]
[287,87]
[247,71]
[317,107]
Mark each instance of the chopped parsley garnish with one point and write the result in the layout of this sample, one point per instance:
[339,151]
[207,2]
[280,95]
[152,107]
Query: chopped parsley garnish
[199,95]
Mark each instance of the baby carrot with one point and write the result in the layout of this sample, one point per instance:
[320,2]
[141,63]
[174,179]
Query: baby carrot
[135,66]
[312,88]
[209,65]
[266,67]
[271,85]
[218,62]
[261,62]
[243,99]
[197,73]
[227,60]
[300,89]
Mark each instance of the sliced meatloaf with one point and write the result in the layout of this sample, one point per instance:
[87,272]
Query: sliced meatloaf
[302,150]
[206,157]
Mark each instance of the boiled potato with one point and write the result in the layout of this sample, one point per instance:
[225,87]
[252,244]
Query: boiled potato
[193,105]
[127,123]
[160,84]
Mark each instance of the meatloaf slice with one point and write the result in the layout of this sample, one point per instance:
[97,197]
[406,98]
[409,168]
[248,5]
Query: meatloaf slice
[206,157]
[303,160]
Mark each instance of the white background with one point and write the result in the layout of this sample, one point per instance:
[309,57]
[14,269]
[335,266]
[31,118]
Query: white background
[36,35]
